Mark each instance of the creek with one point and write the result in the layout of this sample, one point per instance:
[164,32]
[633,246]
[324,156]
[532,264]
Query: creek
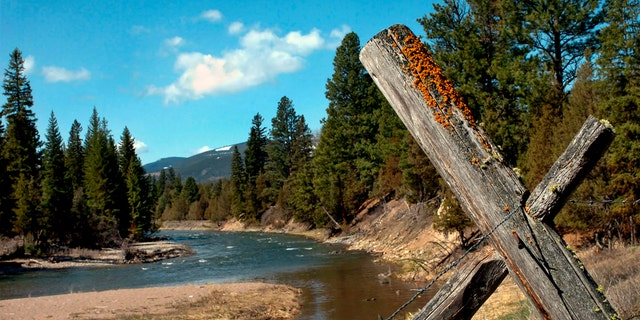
[336,284]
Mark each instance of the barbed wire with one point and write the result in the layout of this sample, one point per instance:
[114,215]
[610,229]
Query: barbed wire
[479,242]
[604,202]
[454,263]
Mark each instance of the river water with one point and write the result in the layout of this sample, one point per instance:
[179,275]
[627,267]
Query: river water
[336,284]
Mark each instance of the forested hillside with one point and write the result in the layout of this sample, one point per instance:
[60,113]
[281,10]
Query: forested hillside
[208,166]
[530,72]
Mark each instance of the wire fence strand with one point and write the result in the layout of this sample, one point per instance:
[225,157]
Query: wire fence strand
[454,263]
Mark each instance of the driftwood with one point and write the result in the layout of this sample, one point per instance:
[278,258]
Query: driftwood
[491,193]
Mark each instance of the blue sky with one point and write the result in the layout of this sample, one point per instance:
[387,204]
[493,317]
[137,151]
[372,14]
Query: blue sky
[185,76]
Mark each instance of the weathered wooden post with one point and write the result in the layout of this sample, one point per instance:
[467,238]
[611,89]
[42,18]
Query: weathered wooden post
[490,192]
[464,294]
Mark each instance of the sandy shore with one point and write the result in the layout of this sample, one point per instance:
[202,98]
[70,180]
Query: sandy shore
[210,301]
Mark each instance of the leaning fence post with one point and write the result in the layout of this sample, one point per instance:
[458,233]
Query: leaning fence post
[555,283]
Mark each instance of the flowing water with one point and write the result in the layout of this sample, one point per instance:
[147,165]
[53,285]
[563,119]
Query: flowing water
[335,284]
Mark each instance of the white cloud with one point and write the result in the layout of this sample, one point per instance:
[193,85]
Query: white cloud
[174,42]
[236,28]
[57,74]
[338,34]
[140,146]
[211,15]
[203,149]
[261,57]
[29,64]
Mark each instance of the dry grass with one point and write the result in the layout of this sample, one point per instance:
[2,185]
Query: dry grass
[273,302]
[507,302]
[617,271]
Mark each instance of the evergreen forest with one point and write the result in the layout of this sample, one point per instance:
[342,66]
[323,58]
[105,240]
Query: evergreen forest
[90,192]
[531,73]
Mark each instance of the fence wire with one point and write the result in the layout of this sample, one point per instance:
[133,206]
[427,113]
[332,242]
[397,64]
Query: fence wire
[457,261]
[454,263]
[604,202]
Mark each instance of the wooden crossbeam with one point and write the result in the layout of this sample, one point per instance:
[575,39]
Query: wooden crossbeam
[555,283]
[579,158]
[465,292]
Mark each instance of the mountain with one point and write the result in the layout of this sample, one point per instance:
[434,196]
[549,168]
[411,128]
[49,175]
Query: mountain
[207,166]
[162,163]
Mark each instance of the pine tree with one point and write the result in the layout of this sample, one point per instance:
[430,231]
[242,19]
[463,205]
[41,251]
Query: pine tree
[389,148]
[345,160]
[451,218]
[161,187]
[301,145]
[57,194]
[238,184]
[618,67]
[74,156]
[255,159]
[556,32]
[21,141]
[74,162]
[190,190]
[283,129]
[138,188]
[103,184]
[302,199]
[126,151]
[255,156]
[297,194]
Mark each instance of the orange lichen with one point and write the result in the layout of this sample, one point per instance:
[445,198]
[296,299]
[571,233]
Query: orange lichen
[506,208]
[430,80]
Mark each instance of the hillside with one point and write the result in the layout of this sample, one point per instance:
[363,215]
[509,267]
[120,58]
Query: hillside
[207,166]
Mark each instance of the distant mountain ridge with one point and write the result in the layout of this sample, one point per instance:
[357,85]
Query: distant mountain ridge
[209,166]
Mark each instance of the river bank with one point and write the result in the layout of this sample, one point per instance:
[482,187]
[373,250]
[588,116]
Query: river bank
[225,301]
[139,252]
[397,232]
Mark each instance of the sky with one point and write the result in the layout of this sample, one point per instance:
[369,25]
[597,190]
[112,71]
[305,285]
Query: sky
[185,76]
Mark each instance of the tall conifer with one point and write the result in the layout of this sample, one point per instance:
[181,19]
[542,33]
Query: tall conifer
[22,142]
[138,189]
[255,159]
[238,183]
[345,162]
[103,184]
[57,193]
